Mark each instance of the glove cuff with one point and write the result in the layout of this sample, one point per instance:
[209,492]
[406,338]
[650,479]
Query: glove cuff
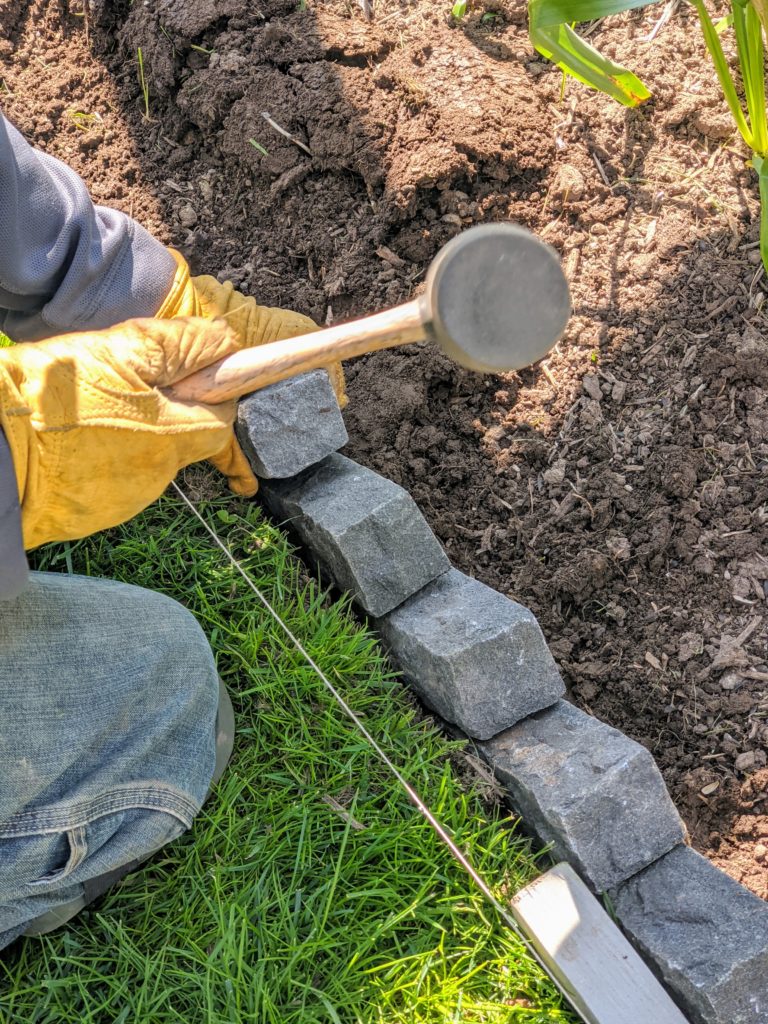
[253,324]
[16,425]
[182,299]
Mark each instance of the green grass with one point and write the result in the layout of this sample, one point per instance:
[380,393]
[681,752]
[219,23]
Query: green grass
[309,889]
[143,83]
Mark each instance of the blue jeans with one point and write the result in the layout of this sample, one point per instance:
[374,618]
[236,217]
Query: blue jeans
[108,697]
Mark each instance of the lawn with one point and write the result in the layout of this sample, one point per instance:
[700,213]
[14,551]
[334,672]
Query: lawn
[309,890]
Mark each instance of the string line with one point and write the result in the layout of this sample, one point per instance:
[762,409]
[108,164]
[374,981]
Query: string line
[440,830]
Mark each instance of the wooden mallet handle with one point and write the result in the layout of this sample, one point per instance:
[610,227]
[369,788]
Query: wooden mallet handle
[495,299]
[254,368]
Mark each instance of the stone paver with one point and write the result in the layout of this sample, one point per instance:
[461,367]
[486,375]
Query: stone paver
[288,426]
[706,934]
[472,655]
[366,532]
[589,790]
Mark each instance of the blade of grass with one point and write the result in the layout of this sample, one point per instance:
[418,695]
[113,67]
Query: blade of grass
[143,83]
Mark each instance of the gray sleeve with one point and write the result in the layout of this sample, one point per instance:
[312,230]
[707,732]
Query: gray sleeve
[13,561]
[66,264]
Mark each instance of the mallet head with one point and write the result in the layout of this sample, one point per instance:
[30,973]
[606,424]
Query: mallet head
[496,298]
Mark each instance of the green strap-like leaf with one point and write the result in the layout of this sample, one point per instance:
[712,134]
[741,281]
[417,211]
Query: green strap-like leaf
[754,78]
[548,13]
[761,166]
[576,57]
[551,33]
[712,40]
[761,7]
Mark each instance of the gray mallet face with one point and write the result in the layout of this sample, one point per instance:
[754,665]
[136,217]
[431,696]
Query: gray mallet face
[496,298]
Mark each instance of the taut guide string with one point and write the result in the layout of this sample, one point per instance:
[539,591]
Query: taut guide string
[440,830]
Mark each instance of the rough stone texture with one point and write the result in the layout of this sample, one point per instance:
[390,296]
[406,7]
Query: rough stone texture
[706,934]
[288,426]
[588,789]
[364,531]
[472,655]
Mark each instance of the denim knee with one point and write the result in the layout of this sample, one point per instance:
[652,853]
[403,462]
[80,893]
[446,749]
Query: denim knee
[190,670]
[44,871]
[108,697]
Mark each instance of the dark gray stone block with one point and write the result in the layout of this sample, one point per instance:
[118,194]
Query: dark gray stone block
[706,934]
[288,426]
[364,531]
[589,790]
[472,655]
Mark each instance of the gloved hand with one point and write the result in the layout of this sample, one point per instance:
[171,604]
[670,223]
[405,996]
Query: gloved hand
[93,439]
[253,325]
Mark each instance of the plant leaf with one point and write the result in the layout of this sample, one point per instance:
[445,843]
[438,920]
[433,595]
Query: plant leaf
[576,57]
[761,8]
[547,13]
[749,43]
[761,166]
[712,41]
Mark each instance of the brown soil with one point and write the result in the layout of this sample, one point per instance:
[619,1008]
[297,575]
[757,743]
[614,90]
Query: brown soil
[620,490]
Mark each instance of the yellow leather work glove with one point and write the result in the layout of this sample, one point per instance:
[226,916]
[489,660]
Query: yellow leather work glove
[254,325]
[93,439]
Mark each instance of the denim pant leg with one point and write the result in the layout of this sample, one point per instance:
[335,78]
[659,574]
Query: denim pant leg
[108,697]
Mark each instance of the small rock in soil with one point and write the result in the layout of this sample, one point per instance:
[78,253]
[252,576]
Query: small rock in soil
[744,762]
[592,387]
[187,217]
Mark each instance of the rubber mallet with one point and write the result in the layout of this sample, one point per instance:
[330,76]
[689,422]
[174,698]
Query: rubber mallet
[495,300]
